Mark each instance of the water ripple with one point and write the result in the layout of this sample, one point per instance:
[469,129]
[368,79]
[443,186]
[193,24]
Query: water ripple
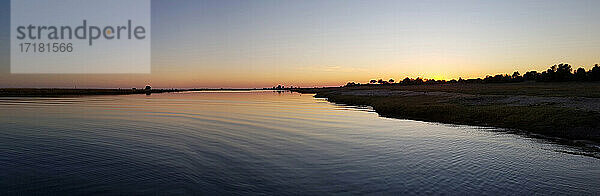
[263,142]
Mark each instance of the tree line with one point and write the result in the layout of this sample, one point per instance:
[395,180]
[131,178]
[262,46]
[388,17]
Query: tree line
[557,73]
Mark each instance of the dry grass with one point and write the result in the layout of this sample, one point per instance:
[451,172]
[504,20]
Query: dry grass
[550,120]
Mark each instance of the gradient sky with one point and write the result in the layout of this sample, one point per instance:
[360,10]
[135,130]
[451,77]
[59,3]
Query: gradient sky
[322,43]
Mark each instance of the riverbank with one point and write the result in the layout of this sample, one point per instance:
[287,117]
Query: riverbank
[60,92]
[564,110]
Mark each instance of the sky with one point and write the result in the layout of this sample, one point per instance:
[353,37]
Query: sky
[255,44]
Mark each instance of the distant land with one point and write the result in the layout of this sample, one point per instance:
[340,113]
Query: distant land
[569,110]
[67,92]
[558,102]
[61,92]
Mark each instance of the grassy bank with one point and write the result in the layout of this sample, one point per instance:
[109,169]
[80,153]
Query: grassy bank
[484,105]
[51,92]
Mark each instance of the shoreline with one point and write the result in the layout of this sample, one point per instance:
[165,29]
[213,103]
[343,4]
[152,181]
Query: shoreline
[68,92]
[63,92]
[546,113]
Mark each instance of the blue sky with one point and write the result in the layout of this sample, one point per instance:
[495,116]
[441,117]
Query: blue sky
[315,43]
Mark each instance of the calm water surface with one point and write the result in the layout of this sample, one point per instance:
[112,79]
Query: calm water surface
[264,142]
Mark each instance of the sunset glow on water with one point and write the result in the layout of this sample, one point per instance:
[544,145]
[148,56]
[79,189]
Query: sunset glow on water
[265,142]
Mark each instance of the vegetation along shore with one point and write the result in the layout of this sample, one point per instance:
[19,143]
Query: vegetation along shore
[557,103]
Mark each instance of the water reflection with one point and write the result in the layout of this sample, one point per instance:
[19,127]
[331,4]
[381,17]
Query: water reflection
[265,142]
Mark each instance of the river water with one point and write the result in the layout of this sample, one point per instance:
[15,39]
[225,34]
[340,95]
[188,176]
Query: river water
[265,142]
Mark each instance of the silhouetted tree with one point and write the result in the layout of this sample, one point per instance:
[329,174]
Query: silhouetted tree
[516,74]
[500,78]
[580,74]
[532,76]
[477,80]
[418,81]
[564,72]
[595,73]
[559,73]
[430,81]
[516,77]
[556,73]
